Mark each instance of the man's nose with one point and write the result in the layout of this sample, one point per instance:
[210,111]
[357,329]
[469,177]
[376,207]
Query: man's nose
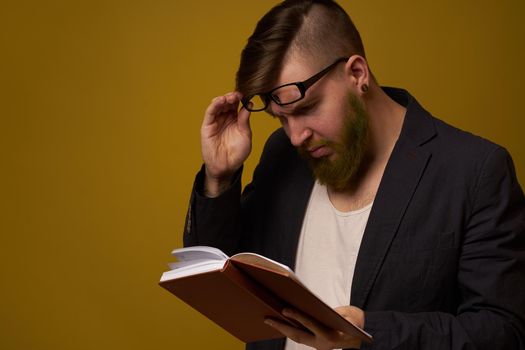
[298,132]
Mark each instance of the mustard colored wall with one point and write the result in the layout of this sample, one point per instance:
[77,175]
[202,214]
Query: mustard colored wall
[100,106]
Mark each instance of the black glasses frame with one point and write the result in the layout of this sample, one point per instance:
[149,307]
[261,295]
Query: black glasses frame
[301,85]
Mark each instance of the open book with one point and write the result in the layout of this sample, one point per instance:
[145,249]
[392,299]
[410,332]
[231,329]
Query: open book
[238,293]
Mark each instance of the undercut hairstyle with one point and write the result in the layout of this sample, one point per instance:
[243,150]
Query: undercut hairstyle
[318,31]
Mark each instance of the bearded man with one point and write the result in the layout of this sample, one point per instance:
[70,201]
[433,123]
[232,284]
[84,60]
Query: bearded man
[409,227]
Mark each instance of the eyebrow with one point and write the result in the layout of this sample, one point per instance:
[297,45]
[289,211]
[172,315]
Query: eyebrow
[295,108]
[304,104]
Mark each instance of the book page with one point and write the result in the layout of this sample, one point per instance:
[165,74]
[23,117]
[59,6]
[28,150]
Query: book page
[199,267]
[193,261]
[198,253]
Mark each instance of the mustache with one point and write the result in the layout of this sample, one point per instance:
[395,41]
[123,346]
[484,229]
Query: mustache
[312,145]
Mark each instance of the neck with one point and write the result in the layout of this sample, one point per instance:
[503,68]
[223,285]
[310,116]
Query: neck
[386,120]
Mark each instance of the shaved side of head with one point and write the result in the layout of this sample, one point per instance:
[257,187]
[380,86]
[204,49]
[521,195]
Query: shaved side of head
[317,31]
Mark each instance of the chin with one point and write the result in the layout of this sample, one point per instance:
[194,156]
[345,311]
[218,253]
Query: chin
[332,157]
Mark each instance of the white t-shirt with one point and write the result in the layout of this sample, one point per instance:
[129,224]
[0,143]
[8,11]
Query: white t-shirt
[327,250]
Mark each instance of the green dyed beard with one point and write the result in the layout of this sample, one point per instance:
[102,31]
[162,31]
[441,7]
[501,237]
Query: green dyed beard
[338,173]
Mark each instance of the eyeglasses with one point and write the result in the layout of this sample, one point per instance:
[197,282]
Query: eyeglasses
[286,94]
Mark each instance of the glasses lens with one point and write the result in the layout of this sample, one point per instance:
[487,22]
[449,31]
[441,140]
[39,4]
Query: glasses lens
[287,94]
[258,103]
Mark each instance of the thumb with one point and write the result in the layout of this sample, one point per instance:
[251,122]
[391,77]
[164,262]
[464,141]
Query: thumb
[353,314]
[243,119]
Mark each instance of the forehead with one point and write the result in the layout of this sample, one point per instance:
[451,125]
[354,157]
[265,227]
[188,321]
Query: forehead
[295,69]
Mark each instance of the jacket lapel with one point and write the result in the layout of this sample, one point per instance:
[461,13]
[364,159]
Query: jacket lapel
[402,174]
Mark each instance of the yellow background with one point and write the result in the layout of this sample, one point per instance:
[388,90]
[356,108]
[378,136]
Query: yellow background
[101,103]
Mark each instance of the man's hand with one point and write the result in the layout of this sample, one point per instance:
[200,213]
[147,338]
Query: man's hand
[226,141]
[320,337]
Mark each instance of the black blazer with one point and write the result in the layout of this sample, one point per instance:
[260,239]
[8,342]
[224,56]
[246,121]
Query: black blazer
[442,260]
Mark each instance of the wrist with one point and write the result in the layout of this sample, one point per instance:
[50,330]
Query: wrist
[214,186]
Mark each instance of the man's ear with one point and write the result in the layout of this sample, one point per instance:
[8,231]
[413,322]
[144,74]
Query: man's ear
[357,74]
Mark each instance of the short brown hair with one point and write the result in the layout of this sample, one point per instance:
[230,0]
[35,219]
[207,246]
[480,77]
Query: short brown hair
[316,28]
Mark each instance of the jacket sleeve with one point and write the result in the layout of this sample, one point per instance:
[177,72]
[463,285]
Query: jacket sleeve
[214,221]
[491,277]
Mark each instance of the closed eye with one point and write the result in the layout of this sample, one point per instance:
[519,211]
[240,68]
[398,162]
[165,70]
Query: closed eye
[304,109]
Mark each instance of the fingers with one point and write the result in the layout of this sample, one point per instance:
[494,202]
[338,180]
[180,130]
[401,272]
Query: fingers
[232,97]
[353,314]
[221,104]
[227,105]
[244,119]
[297,335]
[317,335]
[306,321]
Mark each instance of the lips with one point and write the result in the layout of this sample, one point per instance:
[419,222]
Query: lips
[319,151]
[312,149]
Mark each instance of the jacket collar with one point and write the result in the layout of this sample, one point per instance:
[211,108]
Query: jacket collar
[403,172]
[418,125]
